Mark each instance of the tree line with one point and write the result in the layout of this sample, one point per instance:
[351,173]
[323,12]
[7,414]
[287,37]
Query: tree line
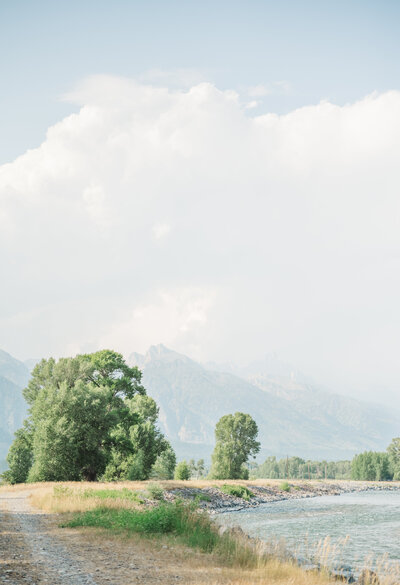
[90,418]
[367,466]
[298,468]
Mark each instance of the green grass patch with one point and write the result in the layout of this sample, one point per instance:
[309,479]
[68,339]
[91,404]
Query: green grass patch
[183,522]
[240,491]
[285,487]
[166,518]
[203,498]
[104,494]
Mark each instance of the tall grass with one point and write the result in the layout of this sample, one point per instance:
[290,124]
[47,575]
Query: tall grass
[187,524]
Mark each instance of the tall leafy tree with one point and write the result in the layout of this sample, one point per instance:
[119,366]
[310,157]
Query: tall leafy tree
[235,436]
[89,415]
[136,448]
[20,456]
[182,471]
[164,466]
[371,466]
[394,457]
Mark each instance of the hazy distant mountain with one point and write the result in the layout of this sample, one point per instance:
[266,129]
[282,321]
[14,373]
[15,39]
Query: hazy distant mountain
[284,380]
[13,369]
[31,363]
[14,376]
[293,417]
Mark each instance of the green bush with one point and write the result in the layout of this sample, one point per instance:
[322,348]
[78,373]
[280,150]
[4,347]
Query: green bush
[240,491]
[203,498]
[155,491]
[285,487]
[182,471]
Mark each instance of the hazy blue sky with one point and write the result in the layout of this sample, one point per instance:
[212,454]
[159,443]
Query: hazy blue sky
[220,177]
[336,50]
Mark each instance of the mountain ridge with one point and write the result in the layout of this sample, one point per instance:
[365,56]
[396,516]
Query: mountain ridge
[294,417]
[14,376]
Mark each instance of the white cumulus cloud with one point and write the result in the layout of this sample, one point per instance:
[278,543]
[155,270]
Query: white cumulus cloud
[293,219]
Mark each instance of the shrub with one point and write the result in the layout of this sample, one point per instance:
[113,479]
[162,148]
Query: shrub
[240,491]
[203,498]
[155,491]
[182,471]
[285,487]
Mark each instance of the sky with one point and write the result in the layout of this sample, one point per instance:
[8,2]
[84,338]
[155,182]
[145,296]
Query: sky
[220,177]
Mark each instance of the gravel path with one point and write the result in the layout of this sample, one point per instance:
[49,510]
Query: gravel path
[35,551]
[28,551]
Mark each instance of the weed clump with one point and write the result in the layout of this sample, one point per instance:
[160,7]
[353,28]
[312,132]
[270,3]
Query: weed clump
[155,491]
[285,487]
[240,491]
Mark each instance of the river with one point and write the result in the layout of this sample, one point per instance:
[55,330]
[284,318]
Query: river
[359,529]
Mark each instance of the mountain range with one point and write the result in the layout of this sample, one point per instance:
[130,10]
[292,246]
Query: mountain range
[294,415]
[14,376]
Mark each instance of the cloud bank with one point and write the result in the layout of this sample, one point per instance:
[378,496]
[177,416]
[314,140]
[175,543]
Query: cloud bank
[167,216]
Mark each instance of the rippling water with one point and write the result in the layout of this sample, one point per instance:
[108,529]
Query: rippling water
[371,520]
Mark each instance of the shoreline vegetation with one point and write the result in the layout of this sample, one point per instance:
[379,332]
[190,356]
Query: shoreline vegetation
[181,514]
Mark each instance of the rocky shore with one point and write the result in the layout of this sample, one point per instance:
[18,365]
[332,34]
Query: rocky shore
[217,502]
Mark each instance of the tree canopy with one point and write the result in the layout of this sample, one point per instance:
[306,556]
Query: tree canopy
[394,457]
[235,436]
[371,466]
[89,417]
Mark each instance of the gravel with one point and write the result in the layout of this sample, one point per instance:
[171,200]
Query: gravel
[28,551]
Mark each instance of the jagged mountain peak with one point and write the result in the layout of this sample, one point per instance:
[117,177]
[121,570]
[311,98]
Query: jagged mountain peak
[13,369]
[158,353]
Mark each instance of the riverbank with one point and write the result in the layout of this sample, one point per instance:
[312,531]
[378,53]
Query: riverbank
[215,501]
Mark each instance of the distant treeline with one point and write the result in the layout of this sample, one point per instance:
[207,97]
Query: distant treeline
[367,466]
[298,468]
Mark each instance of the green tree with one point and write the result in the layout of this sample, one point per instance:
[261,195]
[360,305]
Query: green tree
[394,457]
[192,467]
[70,425]
[20,456]
[182,471]
[90,416]
[235,436]
[201,468]
[371,466]
[136,448]
[164,466]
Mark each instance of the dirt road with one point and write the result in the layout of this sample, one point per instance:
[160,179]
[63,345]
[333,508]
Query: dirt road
[35,551]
